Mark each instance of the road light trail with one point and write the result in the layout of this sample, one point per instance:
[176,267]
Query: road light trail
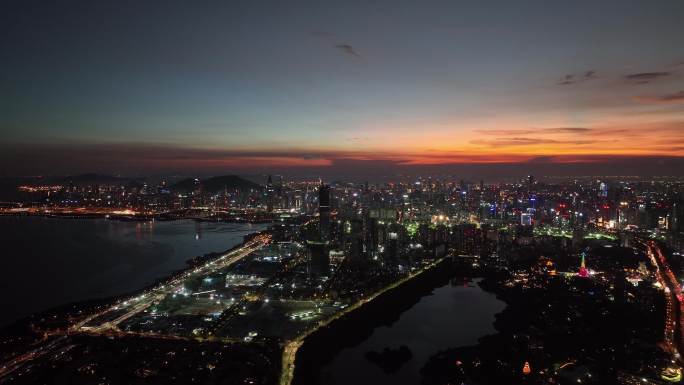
[17,362]
[158,293]
[673,303]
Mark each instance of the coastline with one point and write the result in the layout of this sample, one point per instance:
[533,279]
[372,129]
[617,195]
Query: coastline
[131,218]
[94,304]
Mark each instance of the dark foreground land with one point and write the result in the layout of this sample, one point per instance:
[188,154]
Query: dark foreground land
[130,360]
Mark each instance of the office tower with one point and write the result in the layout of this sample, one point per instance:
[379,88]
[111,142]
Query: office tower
[324,211]
[270,194]
[318,258]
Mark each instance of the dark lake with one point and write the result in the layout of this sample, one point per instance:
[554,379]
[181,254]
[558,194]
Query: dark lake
[47,262]
[453,315]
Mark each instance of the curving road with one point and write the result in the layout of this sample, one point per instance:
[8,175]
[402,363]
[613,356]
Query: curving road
[674,307]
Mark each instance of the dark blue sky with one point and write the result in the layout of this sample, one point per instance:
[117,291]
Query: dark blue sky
[248,85]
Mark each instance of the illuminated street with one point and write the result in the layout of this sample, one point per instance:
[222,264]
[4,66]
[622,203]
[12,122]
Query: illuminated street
[143,301]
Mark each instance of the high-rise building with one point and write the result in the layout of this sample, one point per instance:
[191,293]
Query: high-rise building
[324,211]
[318,258]
[370,234]
[603,190]
[270,194]
[391,247]
[526,219]
[677,214]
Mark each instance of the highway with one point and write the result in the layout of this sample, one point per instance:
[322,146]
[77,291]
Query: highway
[674,310]
[17,362]
[159,292]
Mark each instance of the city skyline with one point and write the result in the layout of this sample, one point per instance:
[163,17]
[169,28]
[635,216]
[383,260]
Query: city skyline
[328,89]
[319,192]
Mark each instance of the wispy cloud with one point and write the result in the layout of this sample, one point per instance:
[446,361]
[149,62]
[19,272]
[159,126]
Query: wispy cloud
[348,49]
[645,77]
[335,41]
[505,132]
[566,130]
[572,78]
[567,79]
[540,131]
[134,159]
[675,98]
[525,141]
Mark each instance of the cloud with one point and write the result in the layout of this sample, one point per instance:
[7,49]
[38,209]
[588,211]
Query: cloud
[676,98]
[348,49]
[645,77]
[572,78]
[541,131]
[563,130]
[331,38]
[358,139]
[505,132]
[567,79]
[139,160]
[542,159]
[525,141]
[612,131]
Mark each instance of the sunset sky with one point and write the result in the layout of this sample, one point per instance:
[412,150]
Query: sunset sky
[253,86]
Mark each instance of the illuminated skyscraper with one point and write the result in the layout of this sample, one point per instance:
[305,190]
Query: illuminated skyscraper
[526,219]
[270,192]
[603,190]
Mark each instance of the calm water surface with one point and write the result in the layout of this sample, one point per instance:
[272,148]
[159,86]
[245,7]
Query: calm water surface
[47,262]
[454,315]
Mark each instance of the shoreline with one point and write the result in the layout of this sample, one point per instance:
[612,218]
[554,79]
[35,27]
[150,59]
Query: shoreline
[96,303]
[131,218]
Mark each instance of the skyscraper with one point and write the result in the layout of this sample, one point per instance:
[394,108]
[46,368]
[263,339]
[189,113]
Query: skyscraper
[603,190]
[318,258]
[324,211]
[270,192]
[526,219]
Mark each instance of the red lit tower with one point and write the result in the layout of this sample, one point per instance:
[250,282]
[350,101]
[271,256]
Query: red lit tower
[583,272]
